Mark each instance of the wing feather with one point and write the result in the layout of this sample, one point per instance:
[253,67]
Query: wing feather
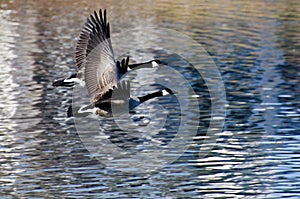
[100,67]
[92,23]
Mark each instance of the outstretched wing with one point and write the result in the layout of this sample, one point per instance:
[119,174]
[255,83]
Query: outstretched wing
[120,92]
[81,54]
[98,65]
[123,90]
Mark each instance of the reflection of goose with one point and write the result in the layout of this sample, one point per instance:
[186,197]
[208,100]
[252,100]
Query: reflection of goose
[100,73]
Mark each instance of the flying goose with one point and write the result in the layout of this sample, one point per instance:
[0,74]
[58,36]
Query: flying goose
[119,97]
[82,52]
[100,73]
[123,68]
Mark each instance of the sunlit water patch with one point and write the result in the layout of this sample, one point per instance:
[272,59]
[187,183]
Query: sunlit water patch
[255,45]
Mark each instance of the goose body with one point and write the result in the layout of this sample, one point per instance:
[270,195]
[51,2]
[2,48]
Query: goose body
[121,100]
[100,73]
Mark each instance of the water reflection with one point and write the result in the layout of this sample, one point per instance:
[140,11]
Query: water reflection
[20,96]
[254,43]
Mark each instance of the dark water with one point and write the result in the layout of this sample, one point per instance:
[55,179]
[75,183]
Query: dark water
[255,45]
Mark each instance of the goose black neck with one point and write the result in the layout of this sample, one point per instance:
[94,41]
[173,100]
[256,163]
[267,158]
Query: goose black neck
[150,96]
[143,65]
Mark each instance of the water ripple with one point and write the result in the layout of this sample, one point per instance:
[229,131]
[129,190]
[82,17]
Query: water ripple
[255,44]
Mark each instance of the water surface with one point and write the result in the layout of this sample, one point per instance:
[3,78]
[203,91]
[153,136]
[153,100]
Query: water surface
[255,45]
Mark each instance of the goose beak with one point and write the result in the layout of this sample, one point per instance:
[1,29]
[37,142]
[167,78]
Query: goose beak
[159,62]
[169,91]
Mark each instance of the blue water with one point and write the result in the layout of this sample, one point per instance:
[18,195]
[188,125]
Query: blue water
[255,46]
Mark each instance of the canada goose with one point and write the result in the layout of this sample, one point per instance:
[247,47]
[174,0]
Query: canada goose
[123,68]
[94,23]
[100,73]
[119,97]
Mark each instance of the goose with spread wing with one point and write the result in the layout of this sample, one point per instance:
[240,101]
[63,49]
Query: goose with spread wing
[82,52]
[100,73]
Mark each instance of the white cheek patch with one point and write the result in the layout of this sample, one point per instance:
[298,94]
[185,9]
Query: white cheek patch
[75,80]
[154,64]
[69,80]
[164,92]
